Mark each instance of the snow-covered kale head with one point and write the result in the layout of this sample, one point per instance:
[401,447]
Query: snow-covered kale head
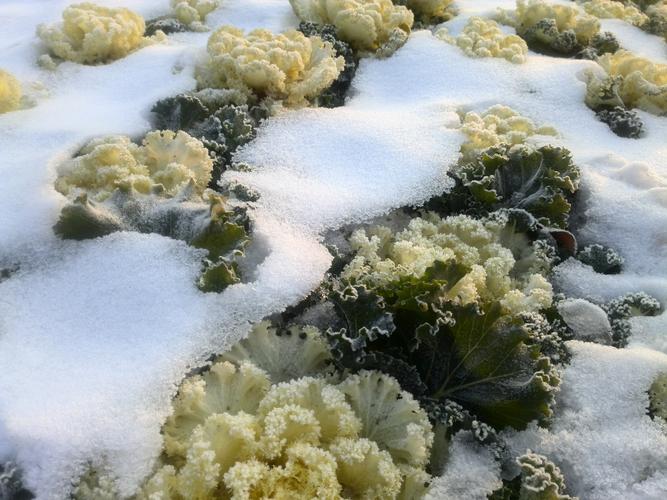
[92,34]
[497,125]
[484,38]
[164,163]
[628,81]
[367,25]
[289,66]
[610,9]
[429,11]
[193,13]
[541,181]
[334,96]
[540,479]
[222,120]
[602,259]
[10,92]
[236,432]
[560,29]
[156,187]
[441,305]
[622,309]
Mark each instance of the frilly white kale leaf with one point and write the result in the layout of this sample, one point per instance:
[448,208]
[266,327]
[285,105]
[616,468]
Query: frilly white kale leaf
[540,479]
[284,354]
[541,181]
[620,311]
[334,96]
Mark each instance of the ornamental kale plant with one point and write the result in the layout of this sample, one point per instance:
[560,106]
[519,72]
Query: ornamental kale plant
[270,420]
[449,310]
[156,187]
[541,181]
[559,30]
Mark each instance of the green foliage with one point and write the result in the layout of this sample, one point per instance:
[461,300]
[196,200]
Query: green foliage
[602,259]
[217,118]
[541,181]
[540,479]
[334,96]
[83,219]
[11,487]
[622,122]
[214,226]
[167,25]
[488,362]
[620,311]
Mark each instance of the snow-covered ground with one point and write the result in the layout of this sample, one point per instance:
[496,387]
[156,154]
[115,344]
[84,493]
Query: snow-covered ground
[95,335]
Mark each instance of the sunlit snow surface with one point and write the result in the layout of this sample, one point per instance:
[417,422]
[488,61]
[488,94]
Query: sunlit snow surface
[95,336]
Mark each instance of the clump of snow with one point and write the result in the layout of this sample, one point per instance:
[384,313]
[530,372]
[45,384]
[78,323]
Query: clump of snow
[471,472]
[587,320]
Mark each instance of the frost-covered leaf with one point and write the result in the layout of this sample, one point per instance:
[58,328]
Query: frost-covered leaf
[285,354]
[541,181]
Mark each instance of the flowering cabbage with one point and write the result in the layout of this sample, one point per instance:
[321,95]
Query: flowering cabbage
[10,92]
[190,12]
[288,66]
[605,9]
[92,34]
[484,38]
[629,81]
[541,181]
[367,25]
[448,293]
[556,28]
[166,162]
[335,95]
[429,11]
[383,258]
[498,124]
[156,187]
[235,432]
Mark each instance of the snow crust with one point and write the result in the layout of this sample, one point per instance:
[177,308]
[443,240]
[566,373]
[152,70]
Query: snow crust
[95,336]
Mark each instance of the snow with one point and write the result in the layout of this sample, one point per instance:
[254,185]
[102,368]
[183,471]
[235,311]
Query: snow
[95,336]
[471,472]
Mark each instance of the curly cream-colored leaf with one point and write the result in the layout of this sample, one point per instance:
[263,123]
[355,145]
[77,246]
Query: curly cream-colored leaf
[10,92]
[91,33]
[367,25]
[289,66]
